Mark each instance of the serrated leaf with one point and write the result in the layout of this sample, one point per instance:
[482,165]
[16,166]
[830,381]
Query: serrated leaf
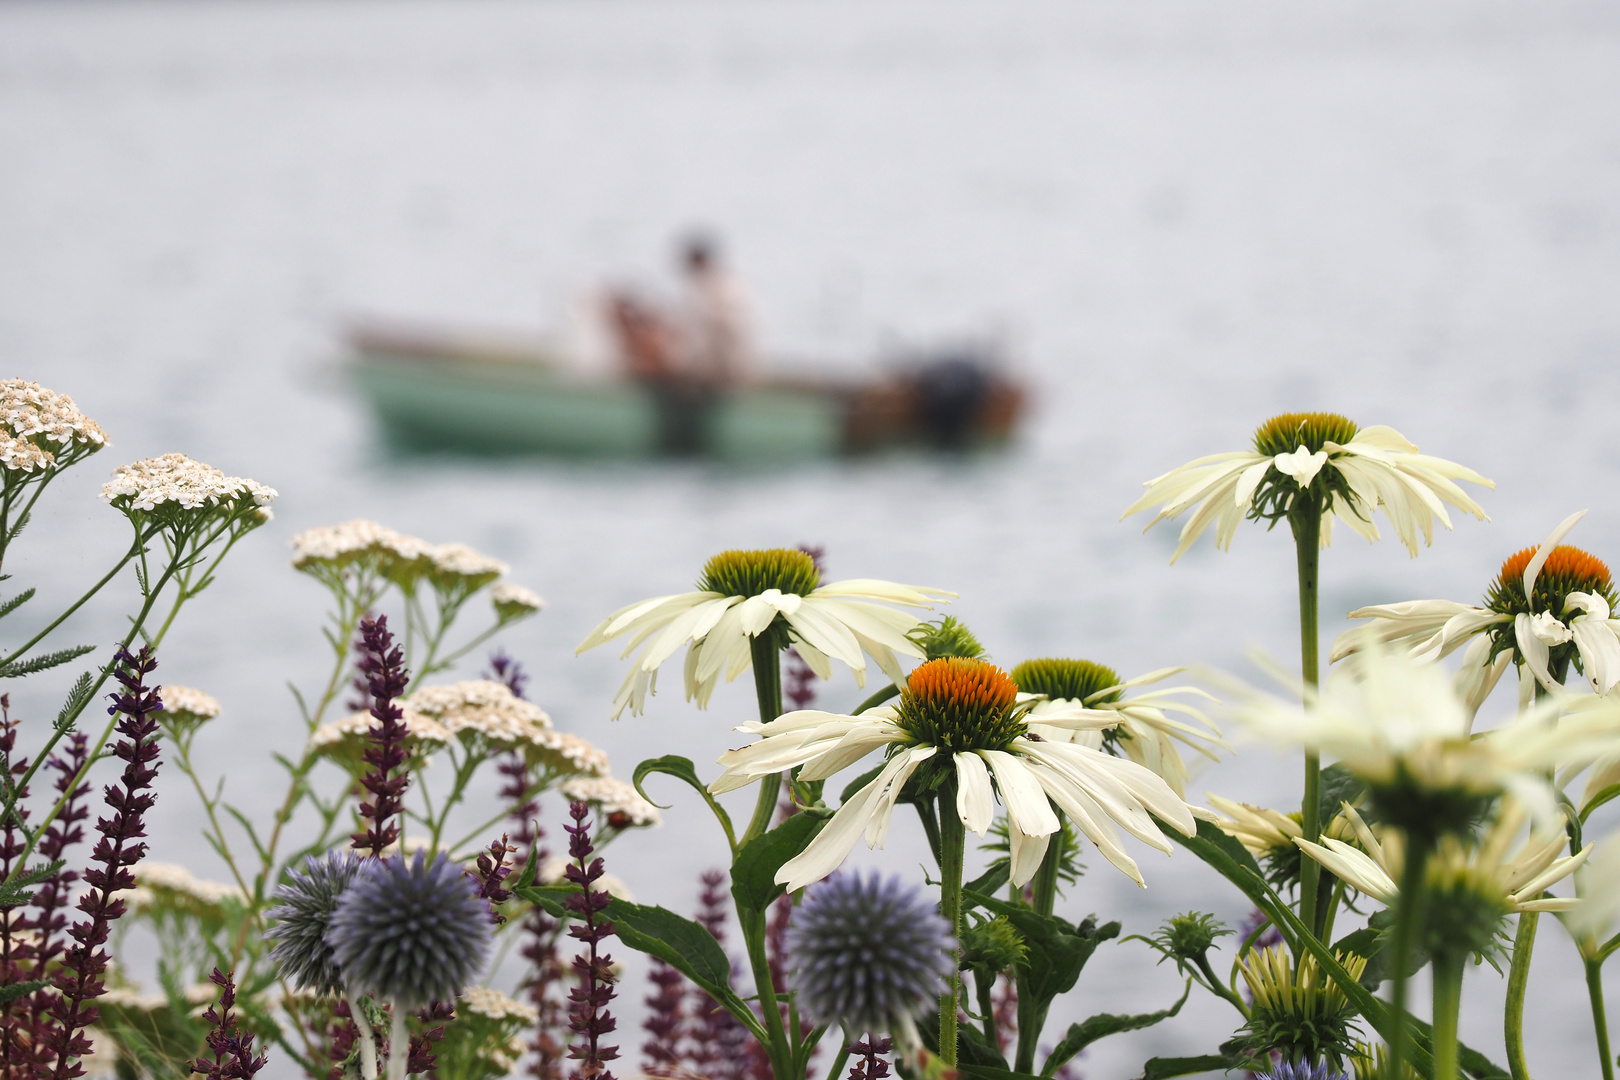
[1102,1025]
[753,872]
[1057,951]
[16,602]
[19,888]
[44,662]
[1338,785]
[682,769]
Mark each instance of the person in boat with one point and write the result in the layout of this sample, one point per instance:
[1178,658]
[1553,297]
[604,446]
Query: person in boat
[716,335]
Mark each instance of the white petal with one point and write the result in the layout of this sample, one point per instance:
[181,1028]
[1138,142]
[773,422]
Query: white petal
[1026,801]
[1600,652]
[1024,854]
[975,798]
[1532,569]
[1534,651]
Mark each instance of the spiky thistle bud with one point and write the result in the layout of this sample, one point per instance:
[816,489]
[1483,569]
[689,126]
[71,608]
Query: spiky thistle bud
[410,932]
[867,953]
[303,913]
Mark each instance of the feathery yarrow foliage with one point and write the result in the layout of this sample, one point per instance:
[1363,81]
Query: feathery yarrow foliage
[867,952]
[304,907]
[411,932]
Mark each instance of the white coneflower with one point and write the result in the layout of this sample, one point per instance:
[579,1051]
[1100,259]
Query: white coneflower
[1145,732]
[41,429]
[617,803]
[1397,724]
[1350,472]
[1548,608]
[743,595]
[966,712]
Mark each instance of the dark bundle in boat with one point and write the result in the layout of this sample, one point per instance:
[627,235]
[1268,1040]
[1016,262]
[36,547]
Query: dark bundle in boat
[442,391]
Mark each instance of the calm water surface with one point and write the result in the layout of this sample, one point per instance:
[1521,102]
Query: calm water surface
[1185,217]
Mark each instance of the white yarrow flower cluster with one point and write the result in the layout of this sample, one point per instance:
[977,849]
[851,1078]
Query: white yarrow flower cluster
[618,802]
[183,700]
[514,601]
[479,706]
[31,417]
[495,1005]
[339,736]
[167,885]
[453,568]
[177,481]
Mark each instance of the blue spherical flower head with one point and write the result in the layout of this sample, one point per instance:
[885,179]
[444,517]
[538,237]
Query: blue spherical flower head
[868,953]
[306,903]
[1300,1070]
[410,932]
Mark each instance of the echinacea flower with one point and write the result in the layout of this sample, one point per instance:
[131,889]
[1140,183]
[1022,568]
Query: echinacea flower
[1298,1011]
[1598,886]
[745,594]
[410,931]
[1145,731]
[1396,723]
[303,912]
[1548,608]
[1348,471]
[1509,879]
[1269,835]
[967,714]
[867,953]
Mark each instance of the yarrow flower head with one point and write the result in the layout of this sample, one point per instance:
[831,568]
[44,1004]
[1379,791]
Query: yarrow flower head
[373,551]
[777,593]
[168,888]
[41,429]
[480,708]
[1316,463]
[962,719]
[1549,608]
[868,953]
[1398,725]
[305,904]
[617,804]
[514,601]
[346,741]
[185,709]
[411,932]
[176,489]
[1144,730]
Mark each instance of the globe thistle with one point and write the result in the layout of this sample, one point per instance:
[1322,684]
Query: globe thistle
[307,901]
[410,932]
[1300,1070]
[868,953]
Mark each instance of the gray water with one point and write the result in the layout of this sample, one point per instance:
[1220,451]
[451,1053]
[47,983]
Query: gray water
[1184,217]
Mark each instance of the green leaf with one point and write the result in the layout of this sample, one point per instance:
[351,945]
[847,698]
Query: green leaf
[43,662]
[22,989]
[682,769]
[78,697]
[1162,1068]
[19,888]
[991,881]
[753,871]
[1091,1029]
[1608,794]
[16,602]
[681,943]
[1338,786]
[1057,951]
[1232,861]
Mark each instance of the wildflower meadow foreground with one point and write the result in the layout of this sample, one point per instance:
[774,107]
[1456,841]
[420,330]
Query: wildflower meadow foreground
[363,921]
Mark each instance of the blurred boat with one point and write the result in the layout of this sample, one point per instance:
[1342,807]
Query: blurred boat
[440,390]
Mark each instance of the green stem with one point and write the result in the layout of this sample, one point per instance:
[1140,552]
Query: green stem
[1408,919]
[877,699]
[76,605]
[780,1050]
[1218,988]
[837,1070]
[1044,884]
[953,845]
[768,687]
[1448,976]
[1600,1016]
[1307,526]
[1524,943]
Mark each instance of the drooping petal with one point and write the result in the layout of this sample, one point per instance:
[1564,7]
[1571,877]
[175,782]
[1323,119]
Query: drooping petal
[834,842]
[1027,803]
[975,798]
[1024,854]
[1532,569]
[1534,650]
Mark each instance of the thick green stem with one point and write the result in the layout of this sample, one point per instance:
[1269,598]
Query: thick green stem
[953,844]
[1600,1016]
[1524,944]
[1448,976]
[1044,884]
[1408,920]
[768,687]
[1307,526]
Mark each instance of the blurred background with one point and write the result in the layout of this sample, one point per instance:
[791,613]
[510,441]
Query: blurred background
[1176,219]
